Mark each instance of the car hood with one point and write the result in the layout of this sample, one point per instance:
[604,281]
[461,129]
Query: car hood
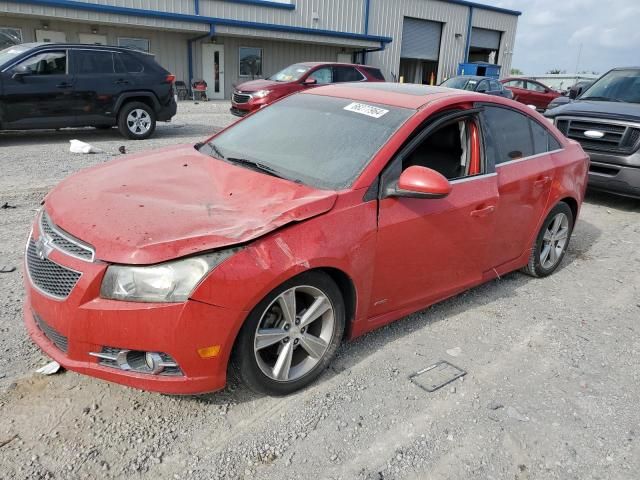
[255,85]
[600,109]
[164,204]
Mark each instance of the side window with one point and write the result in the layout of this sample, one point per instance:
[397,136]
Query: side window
[543,141]
[534,87]
[495,86]
[515,84]
[93,62]
[322,75]
[452,150]
[47,63]
[127,63]
[510,132]
[483,86]
[346,74]
[376,73]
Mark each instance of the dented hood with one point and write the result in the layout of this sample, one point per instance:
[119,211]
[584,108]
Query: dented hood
[168,203]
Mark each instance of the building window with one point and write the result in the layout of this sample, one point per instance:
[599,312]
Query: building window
[135,43]
[250,62]
[10,37]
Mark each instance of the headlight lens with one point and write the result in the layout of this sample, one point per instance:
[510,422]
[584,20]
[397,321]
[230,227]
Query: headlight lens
[261,93]
[166,282]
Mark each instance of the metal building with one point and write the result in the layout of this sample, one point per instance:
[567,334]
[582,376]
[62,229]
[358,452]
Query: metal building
[227,42]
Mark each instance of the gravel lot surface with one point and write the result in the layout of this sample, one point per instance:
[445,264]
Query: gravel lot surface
[552,389]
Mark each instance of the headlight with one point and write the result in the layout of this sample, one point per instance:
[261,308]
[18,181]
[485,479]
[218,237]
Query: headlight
[165,282]
[261,93]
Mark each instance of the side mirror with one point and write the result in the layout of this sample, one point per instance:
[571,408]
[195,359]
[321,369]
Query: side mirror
[19,72]
[310,81]
[421,182]
[482,89]
[573,94]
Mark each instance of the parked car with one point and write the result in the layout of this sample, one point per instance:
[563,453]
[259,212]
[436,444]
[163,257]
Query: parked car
[268,248]
[45,85]
[530,92]
[571,94]
[474,83]
[250,96]
[605,119]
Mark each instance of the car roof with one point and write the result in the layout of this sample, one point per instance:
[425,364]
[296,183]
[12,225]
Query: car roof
[404,95]
[315,64]
[473,77]
[36,45]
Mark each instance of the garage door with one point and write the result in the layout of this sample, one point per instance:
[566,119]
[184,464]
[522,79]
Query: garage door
[484,38]
[420,39]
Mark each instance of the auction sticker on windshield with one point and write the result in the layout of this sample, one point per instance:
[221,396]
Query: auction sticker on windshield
[368,110]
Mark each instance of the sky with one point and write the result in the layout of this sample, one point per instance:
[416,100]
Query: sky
[551,32]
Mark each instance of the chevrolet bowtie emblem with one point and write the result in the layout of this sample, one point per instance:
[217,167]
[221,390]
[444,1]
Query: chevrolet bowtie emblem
[43,248]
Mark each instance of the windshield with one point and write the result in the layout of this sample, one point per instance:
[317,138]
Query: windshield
[461,83]
[616,86]
[321,141]
[291,73]
[10,53]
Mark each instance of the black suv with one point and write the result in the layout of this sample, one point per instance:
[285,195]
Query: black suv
[45,85]
[605,119]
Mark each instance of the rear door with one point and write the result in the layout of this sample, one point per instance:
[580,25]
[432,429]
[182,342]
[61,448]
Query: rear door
[537,95]
[519,90]
[97,85]
[41,95]
[520,148]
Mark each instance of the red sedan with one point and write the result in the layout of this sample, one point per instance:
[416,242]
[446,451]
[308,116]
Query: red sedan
[268,249]
[251,96]
[530,92]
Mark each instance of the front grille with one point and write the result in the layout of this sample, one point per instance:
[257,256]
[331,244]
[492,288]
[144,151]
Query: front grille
[64,241]
[48,276]
[241,97]
[618,138]
[57,338]
[135,361]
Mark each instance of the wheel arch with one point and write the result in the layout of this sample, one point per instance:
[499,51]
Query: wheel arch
[347,289]
[147,98]
[573,205]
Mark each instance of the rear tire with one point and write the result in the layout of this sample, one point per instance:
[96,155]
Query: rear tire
[552,242]
[137,121]
[278,352]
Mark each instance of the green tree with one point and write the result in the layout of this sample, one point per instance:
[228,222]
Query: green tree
[516,71]
[555,71]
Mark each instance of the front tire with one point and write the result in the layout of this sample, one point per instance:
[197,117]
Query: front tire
[290,337]
[552,242]
[137,121]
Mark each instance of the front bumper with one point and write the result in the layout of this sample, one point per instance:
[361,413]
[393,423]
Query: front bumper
[614,178]
[84,323]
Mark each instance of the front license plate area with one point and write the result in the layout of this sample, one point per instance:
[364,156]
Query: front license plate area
[436,376]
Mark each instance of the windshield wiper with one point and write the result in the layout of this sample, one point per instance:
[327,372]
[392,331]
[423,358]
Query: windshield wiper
[216,150]
[261,167]
[605,99]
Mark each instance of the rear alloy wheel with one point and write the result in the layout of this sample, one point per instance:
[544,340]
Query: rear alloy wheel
[552,242]
[137,121]
[290,337]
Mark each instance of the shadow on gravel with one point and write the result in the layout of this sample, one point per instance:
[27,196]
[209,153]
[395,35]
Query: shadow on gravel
[49,137]
[610,200]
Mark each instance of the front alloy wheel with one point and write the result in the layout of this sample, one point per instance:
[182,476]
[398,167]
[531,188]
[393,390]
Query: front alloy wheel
[290,337]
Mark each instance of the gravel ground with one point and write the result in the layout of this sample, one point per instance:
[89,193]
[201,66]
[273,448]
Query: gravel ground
[551,391]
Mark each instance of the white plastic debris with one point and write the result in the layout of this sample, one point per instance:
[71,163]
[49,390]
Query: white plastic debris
[81,147]
[50,368]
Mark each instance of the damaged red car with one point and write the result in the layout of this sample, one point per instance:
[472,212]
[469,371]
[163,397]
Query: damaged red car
[328,214]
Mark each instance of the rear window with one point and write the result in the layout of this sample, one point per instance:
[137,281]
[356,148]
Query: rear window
[346,74]
[376,73]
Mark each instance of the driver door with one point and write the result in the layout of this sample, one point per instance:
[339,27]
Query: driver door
[430,249]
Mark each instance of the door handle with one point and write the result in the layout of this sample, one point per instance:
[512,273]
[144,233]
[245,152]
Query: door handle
[541,182]
[122,82]
[483,212]
[64,85]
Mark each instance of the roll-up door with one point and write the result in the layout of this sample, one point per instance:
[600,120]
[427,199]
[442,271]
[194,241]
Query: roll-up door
[421,39]
[484,38]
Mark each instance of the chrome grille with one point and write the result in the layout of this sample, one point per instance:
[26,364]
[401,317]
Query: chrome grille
[56,338]
[64,241]
[241,97]
[617,138]
[48,276]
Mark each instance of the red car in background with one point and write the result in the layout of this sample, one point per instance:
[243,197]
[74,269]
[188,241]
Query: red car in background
[530,92]
[250,96]
[267,249]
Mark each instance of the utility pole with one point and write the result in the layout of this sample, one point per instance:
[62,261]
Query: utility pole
[578,60]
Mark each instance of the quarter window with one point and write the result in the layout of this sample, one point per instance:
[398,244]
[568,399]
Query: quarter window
[346,74]
[47,63]
[250,62]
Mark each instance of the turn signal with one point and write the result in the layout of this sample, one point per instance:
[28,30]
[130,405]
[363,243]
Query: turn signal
[209,352]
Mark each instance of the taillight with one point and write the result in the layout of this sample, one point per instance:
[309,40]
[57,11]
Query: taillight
[170,78]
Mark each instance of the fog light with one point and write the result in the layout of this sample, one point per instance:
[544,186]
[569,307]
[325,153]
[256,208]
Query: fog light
[154,362]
